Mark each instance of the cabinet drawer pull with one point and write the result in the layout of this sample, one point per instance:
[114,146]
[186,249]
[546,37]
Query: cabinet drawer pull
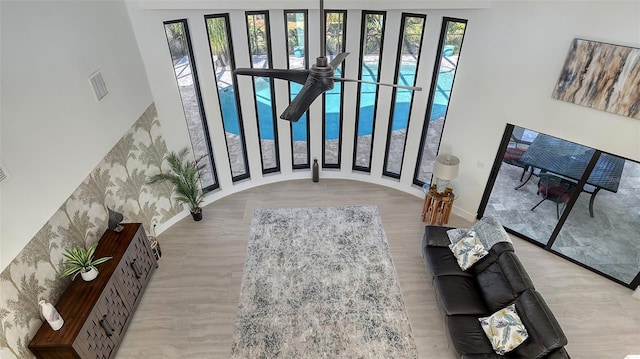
[136,268]
[106,326]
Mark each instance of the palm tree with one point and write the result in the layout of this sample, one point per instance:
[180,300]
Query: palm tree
[218,41]
[185,177]
[4,326]
[455,33]
[96,188]
[375,25]
[39,249]
[177,41]
[132,187]
[335,33]
[79,226]
[26,307]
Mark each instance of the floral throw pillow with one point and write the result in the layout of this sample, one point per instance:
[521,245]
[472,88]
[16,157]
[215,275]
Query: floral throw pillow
[468,250]
[504,329]
[457,234]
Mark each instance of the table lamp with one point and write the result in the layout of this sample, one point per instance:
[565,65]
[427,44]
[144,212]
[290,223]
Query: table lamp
[446,169]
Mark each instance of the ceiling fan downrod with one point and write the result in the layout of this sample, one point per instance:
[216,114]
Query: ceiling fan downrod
[323,34]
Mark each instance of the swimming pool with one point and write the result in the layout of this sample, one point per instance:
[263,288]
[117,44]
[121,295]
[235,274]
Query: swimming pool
[263,95]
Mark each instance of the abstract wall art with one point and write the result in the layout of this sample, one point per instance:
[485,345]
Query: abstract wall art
[601,76]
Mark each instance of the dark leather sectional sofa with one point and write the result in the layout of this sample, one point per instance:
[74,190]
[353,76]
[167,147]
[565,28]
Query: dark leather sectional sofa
[494,282]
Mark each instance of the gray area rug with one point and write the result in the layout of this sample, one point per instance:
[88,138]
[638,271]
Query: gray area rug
[320,283]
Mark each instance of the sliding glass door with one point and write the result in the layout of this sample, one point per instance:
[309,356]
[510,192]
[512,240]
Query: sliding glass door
[608,241]
[573,200]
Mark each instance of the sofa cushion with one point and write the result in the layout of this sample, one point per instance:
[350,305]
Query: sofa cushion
[457,234]
[545,334]
[494,253]
[459,295]
[504,329]
[488,229]
[468,250]
[467,336]
[440,261]
[436,236]
[503,280]
[560,353]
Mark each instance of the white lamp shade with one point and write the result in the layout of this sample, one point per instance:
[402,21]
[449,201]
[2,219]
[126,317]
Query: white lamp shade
[446,167]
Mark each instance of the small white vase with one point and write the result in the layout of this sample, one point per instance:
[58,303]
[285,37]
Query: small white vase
[51,315]
[90,275]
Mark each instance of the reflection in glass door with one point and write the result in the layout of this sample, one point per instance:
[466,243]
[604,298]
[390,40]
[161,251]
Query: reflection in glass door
[608,240]
[571,199]
[533,187]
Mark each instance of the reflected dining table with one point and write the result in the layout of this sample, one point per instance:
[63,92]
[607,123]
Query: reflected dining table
[570,160]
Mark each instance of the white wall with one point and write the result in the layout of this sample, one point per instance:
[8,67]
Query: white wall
[512,57]
[53,130]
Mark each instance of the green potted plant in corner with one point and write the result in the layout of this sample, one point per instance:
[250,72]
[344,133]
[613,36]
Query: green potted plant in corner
[80,260]
[185,177]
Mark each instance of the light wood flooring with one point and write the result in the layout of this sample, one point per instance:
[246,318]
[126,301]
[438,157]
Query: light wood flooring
[189,307]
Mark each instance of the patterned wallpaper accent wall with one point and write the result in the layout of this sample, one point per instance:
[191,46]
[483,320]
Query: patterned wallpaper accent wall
[118,182]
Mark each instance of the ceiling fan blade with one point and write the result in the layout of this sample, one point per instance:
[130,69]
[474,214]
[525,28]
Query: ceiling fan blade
[379,83]
[310,91]
[299,76]
[338,60]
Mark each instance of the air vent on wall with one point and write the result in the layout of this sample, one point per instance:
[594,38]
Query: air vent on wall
[98,85]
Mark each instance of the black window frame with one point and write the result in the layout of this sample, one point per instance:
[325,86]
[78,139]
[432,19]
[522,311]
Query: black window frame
[198,95]
[395,90]
[432,89]
[274,111]
[306,165]
[363,30]
[247,173]
[324,96]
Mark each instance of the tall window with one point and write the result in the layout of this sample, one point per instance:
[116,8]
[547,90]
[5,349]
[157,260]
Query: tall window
[409,46]
[297,44]
[179,42]
[336,23]
[221,50]
[451,36]
[260,54]
[370,59]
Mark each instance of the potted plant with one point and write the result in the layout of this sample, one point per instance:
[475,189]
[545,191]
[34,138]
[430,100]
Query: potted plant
[185,177]
[80,260]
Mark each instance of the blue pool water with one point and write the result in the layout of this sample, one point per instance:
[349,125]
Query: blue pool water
[440,103]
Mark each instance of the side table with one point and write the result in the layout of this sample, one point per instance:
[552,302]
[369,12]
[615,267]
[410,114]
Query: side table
[437,206]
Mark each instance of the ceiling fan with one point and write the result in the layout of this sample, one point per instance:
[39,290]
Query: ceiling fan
[315,81]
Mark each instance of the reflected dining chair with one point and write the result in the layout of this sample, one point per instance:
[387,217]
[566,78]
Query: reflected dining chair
[512,156]
[555,189]
[515,149]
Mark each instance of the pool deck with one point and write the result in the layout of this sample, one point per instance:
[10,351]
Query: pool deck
[331,150]
[183,73]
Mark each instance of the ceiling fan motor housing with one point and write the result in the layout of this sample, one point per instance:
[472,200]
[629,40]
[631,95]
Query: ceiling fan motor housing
[322,72]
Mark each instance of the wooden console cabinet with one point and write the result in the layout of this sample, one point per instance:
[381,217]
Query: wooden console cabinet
[96,314]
